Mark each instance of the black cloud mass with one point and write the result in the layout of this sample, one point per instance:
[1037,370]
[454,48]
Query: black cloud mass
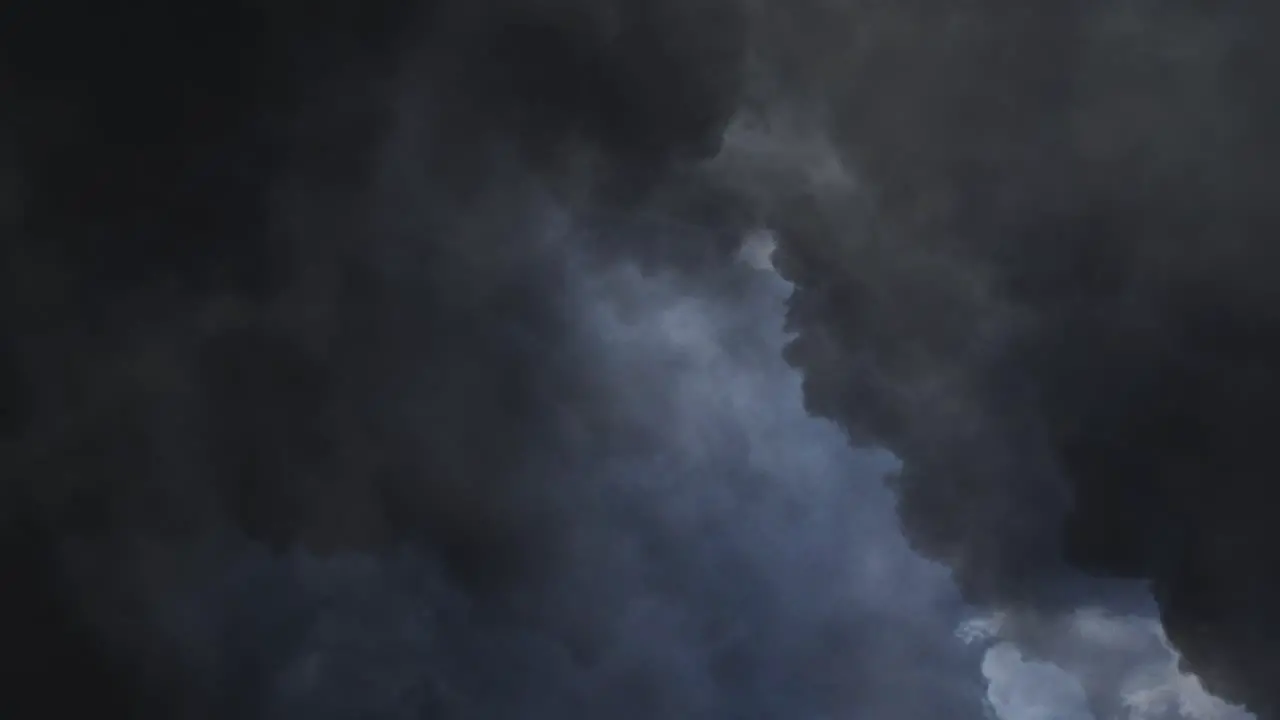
[404,358]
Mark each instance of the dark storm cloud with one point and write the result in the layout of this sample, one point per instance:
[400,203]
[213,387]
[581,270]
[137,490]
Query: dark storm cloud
[275,273]
[739,560]
[268,274]
[1064,321]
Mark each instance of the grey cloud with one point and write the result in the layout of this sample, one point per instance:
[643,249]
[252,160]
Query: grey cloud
[1089,663]
[279,272]
[718,563]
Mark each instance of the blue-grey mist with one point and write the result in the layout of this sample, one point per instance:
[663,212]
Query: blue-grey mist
[726,556]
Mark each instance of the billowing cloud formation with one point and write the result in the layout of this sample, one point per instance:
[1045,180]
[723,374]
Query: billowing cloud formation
[1088,664]
[1063,319]
[272,275]
[721,554]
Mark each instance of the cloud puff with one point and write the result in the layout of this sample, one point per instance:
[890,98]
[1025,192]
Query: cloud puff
[1089,663]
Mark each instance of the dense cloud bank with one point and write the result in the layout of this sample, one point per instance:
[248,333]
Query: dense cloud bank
[397,359]
[1067,317]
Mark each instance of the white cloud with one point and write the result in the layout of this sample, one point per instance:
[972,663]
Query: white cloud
[1022,689]
[1088,664]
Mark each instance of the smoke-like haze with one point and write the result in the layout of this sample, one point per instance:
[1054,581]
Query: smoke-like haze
[421,358]
[724,555]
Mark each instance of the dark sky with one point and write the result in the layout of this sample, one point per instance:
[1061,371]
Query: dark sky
[565,359]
